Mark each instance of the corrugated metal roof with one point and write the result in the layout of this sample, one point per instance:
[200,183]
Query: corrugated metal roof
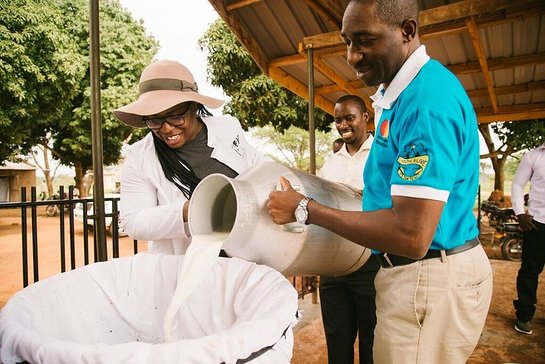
[495,47]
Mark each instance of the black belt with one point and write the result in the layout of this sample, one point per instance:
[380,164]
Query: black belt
[391,260]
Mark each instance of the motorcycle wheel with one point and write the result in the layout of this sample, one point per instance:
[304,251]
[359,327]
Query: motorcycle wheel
[511,249]
[51,210]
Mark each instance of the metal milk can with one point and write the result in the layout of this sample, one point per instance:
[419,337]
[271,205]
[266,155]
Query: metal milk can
[238,206]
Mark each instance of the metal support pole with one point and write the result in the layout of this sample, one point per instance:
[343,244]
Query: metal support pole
[312,140]
[311,122]
[96,135]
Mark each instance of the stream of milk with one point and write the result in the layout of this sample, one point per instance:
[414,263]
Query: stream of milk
[199,258]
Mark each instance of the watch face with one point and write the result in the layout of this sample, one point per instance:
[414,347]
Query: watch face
[301,214]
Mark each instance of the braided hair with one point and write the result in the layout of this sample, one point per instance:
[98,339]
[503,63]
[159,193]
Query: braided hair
[176,169]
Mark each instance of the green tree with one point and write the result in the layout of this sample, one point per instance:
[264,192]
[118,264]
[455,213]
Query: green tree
[45,78]
[255,99]
[125,50]
[291,146]
[40,69]
[44,165]
[511,165]
[513,137]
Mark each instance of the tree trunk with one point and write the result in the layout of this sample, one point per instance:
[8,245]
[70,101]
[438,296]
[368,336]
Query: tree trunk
[47,173]
[493,154]
[88,181]
[82,179]
[79,179]
[499,174]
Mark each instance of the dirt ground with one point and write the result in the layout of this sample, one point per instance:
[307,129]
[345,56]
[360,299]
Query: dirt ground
[11,271]
[499,343]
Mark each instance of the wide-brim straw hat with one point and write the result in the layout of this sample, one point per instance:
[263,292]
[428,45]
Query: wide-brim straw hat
[163,84]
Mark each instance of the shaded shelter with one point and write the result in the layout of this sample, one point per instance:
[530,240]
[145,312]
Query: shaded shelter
[495,47]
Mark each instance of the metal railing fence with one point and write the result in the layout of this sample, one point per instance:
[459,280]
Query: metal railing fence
[63,209]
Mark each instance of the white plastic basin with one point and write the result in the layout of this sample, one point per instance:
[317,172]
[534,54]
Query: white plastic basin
[113,312]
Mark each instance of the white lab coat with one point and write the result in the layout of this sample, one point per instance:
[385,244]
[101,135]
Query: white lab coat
[151,206]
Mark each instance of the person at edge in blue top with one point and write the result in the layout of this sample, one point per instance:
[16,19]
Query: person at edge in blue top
[434,287]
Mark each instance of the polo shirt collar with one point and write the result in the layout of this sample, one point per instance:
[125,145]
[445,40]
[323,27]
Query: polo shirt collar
[384,98]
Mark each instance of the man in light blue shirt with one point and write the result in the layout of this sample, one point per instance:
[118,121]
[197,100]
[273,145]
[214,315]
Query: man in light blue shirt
[435,284]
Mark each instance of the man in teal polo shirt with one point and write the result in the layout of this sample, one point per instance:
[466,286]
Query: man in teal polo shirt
[421,177]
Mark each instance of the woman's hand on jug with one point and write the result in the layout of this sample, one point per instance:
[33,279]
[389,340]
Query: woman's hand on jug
[282,204]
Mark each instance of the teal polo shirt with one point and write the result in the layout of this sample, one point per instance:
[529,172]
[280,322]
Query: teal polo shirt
[426,146]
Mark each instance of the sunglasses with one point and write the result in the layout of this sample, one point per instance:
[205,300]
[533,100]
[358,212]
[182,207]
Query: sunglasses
[155,123]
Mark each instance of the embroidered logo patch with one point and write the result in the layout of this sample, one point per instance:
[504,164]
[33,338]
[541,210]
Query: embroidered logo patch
[383,132]
[412,162]
[385,128]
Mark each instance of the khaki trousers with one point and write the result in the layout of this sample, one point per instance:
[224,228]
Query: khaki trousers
[432,311]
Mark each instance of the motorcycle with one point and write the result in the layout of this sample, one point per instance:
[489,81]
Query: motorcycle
[497,215]
[55,208]
[507,235]
[511,241]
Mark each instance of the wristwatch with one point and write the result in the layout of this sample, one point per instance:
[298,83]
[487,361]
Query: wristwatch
[301,212]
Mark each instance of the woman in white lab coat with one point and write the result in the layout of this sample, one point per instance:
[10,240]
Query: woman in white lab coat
[185,144]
